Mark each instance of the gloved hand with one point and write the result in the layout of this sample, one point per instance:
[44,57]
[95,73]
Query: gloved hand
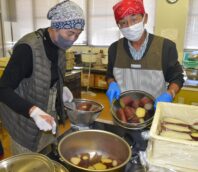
[67,95]
[43,120]
[113,91]
[164,97]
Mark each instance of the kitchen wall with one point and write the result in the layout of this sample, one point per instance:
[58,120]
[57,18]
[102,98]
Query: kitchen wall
[171,22]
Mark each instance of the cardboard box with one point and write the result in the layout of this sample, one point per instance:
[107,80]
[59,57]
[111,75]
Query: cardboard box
[171,153]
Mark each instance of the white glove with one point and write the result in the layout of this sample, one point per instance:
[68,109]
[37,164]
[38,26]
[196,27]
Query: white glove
[67,95]
[43,120]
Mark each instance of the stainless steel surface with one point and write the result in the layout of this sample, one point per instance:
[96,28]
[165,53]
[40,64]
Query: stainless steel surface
[80,118]
[135,94]
[31,162]
[192,74]
[59,167]
[92,141]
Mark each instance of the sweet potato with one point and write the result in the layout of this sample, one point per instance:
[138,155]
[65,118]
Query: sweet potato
[95,159]
[148,106]
[136,103]
[135,119]
[121,115]
[174,121]
[177,128]
[194,136]
[107,161]
[99,166]
[144,100]
[176,135]
[129,112]
[85,106]
[85,158]
[140,112]
[75,160]
[126,101]
[195,126]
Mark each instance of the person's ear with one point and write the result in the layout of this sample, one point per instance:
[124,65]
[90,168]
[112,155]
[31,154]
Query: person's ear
[145,18]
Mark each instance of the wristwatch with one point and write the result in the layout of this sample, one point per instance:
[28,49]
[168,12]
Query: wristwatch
[171,1]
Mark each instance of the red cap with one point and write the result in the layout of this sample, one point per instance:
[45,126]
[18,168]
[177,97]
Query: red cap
[128,7]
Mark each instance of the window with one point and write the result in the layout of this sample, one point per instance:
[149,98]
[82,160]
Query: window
[191,38]
[23,16]
[102,26]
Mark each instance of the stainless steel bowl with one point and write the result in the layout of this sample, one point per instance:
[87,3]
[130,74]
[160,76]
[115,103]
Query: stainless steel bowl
[135,94]
[94,141]
[80,116]
[30,162]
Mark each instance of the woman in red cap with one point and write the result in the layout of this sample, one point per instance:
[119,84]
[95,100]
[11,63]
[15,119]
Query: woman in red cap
[141,60]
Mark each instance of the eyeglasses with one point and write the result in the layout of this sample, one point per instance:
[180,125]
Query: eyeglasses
[130,20]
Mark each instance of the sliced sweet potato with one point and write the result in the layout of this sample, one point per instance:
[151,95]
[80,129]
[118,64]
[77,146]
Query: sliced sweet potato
[194,136]
[75,160]
[177,128]
[176,135]
[140,112]
[99,166]
[195,126]
[174,121]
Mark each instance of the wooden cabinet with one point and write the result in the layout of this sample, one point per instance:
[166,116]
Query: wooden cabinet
[93,80]
[73,81]
[87,80]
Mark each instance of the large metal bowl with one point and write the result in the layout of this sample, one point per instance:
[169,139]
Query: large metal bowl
[83,117]
[94,141]
[136,95]
[27,162]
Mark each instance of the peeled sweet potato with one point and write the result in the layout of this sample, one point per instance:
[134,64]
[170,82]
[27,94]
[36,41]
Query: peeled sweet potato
[140,112]
[148,106]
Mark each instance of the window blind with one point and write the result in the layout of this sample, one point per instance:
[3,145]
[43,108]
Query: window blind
[191,37]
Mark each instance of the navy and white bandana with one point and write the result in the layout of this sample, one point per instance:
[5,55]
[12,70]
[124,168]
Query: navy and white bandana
[66,15]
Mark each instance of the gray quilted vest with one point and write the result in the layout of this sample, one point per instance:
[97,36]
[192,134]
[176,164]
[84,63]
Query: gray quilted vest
[34,89]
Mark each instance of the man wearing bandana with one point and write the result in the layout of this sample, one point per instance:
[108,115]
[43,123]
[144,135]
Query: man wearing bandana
[31,89]
[141,60]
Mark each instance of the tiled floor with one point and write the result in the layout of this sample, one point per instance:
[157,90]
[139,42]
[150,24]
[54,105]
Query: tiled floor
[98,96]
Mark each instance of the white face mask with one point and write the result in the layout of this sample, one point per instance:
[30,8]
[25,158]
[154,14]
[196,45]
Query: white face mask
[134,32]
